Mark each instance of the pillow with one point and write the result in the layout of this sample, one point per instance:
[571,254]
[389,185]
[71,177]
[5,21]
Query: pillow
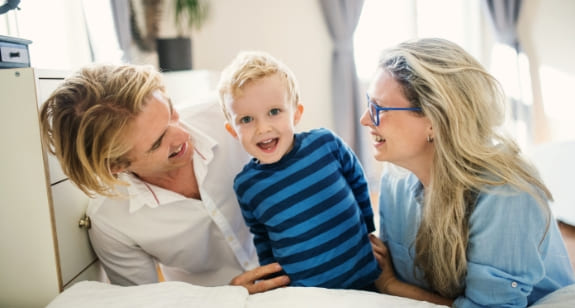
[564,297]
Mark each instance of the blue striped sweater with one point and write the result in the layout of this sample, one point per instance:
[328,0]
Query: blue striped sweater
[311,212]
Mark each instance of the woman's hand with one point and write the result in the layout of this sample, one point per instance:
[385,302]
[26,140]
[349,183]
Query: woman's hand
[254,280]
[382,256]
[389,284]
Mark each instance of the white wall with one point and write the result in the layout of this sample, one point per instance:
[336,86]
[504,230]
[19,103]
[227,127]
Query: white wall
[293,31]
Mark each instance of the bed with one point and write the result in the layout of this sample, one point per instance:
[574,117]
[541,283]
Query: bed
[92,294]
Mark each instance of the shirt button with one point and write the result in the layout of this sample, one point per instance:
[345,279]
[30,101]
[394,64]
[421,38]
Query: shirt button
[246,264]
[230,238]
[514,284]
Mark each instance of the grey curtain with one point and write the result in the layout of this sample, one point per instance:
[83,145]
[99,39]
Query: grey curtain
[341,17]
[121,13]
[504,16]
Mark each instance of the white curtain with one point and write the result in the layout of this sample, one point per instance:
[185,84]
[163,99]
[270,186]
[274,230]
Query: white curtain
[511,67]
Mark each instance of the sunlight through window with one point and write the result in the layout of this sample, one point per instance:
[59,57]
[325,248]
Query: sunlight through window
[385,23]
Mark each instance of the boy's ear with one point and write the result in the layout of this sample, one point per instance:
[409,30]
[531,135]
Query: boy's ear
[298,113]
[231,130]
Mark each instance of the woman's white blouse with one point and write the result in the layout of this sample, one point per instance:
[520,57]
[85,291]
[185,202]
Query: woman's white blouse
[204,242]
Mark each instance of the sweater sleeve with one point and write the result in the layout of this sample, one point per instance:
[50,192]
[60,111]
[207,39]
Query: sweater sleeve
[355,176]
[261,238]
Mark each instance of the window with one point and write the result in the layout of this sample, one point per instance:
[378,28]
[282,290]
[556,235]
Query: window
[385,23]
[63,32]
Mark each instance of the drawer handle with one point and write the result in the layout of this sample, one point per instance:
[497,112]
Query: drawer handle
[85,223]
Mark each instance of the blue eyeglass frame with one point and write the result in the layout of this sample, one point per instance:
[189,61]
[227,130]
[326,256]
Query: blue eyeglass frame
[375,117]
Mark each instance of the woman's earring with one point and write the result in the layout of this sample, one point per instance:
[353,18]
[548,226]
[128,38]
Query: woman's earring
[429,139]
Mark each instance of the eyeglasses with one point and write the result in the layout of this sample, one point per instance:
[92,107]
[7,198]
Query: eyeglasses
[374,110]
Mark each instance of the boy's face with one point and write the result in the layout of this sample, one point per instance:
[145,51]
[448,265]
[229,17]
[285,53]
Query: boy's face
[263,119]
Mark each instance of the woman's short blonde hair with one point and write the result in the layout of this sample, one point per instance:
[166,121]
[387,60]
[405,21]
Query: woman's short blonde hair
[85,119]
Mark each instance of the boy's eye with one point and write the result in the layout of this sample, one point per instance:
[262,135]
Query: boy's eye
[245,120]
[275,111]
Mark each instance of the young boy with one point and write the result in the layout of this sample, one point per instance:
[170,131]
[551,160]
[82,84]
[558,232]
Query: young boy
[304,196]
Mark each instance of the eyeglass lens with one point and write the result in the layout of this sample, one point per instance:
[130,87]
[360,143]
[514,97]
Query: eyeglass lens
[373,112]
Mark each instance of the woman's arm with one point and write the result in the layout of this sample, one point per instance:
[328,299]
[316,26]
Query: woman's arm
[387,282]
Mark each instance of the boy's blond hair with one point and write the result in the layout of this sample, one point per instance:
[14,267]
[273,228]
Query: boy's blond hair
[251,66]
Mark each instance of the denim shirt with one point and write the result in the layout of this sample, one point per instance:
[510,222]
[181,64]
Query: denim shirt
[511,260]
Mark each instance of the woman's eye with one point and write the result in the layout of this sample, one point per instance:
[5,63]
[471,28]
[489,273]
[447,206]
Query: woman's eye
[275,111]
[245,120]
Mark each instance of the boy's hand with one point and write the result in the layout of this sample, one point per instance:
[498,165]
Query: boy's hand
[254,280]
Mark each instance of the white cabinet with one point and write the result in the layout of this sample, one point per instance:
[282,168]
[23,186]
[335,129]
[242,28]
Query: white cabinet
[42,248]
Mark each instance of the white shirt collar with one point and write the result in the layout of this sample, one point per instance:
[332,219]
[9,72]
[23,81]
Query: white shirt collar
[145,194]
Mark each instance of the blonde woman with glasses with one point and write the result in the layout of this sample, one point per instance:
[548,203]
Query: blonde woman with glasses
[468,224]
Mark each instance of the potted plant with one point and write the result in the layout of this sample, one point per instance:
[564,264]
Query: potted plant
[176,53]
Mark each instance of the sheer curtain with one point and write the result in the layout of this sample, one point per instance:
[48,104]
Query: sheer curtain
[121,15]
[102,24]
[511,67]
[65,34]
[341,17]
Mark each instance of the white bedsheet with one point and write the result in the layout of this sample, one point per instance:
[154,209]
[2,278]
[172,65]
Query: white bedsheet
[92,294]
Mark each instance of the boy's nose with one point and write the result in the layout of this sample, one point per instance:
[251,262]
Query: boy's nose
[263,126]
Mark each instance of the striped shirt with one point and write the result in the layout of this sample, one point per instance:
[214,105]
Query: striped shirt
[311,212]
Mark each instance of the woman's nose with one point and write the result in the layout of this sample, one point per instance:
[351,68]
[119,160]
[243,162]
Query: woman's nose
[365,119]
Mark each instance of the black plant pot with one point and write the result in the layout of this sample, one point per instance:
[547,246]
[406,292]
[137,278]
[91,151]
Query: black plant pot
[174,54]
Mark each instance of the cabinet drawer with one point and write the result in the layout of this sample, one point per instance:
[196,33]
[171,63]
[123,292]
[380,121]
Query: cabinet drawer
[94,272]
[56,173]
[47,82]
[75,252]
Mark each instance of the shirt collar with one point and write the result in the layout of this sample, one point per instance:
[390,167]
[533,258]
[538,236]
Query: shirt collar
[141,193]
[416,188]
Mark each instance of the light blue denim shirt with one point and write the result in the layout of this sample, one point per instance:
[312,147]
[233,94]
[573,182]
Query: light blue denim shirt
[511,260]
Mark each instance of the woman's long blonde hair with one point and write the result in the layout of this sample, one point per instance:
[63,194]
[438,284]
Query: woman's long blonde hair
[85,119]
[465,106]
